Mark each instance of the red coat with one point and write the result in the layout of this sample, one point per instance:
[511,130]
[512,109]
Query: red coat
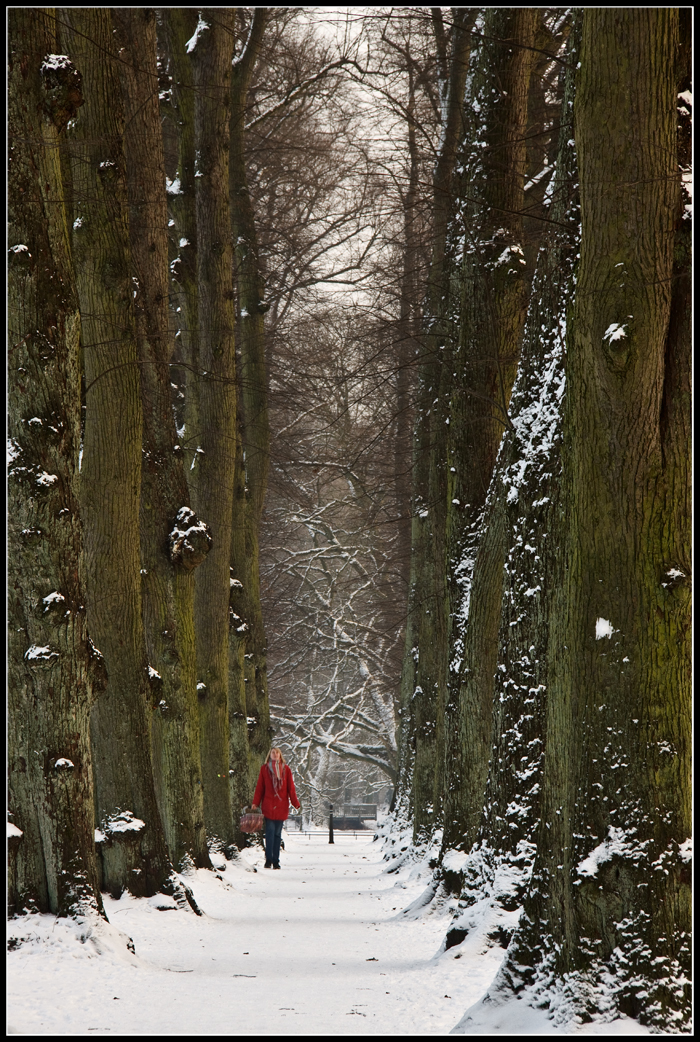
[275,805]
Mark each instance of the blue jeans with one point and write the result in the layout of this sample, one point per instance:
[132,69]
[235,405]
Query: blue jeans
[273,838]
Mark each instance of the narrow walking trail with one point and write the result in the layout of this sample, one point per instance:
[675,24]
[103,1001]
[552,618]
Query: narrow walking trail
[323,946]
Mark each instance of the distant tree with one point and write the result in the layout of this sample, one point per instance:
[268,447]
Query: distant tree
[308,171]
[306,200]
[423,674]
[329,579]
[409,81]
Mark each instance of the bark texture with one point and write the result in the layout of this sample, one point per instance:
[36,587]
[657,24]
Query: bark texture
[407,341]
[52,671]
[177,27]
[173,541]
[472,350]
[133,848]
[419,790]
[517,540]
[212,479]
[247,627]
[493,301]
[241,787]
[607,918]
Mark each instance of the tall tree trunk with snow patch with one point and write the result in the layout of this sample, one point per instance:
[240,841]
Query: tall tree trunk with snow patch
[609,908]
[493,298]
[212,479]
[519,533]
[177,28]
[419,790]
[51,669]
[247,628]
[475,345]
[133,851]
[173,541]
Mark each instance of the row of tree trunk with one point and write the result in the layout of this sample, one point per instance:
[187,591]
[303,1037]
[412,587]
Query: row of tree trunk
[545,694]
[139,741]
[546,689]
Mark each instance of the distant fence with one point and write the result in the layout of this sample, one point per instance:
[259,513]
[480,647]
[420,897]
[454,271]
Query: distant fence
[323,834]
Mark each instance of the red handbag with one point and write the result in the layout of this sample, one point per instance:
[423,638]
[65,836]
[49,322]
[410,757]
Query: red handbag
[251,821]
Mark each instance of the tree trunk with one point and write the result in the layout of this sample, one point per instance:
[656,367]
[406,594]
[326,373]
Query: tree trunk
[491,318]
[133,850]
[212,478]
[241,793]
[470,370]
[495,809]
[173,542]
[51,671]
[406,349]
[610,899]
[254,431]
[420,775]
[178,28]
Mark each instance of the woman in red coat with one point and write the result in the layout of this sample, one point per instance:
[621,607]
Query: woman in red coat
[274,790]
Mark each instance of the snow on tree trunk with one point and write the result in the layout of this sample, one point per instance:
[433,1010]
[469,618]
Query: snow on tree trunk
[493,808]
[52,673]
[606,917]
[419,787]
[492,303]
[473,366]
[176,28]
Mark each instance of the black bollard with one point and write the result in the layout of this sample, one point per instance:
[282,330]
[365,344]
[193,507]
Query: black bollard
[330,827]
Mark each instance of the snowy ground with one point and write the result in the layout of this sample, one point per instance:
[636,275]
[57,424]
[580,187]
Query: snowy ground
[324,946]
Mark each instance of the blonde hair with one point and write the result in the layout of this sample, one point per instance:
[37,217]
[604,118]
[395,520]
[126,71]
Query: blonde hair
[282,762]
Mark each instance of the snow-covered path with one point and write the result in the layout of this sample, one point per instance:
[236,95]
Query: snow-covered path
[321,947]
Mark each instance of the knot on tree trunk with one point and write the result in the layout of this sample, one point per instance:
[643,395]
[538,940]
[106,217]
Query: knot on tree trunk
[63,87]
[189,540]
[118,844]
